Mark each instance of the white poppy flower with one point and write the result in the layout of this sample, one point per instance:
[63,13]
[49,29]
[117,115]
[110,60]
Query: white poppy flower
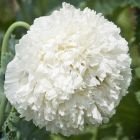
[71,69]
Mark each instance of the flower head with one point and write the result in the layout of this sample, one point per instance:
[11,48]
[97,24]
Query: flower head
[71,69]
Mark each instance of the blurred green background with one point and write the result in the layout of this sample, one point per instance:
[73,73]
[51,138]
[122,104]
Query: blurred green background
[125,124]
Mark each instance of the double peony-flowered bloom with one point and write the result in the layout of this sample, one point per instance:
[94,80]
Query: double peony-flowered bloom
[71,69]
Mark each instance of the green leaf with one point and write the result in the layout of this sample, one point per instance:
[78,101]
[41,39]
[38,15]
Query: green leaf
[7,57]
[3,101]
[16,128]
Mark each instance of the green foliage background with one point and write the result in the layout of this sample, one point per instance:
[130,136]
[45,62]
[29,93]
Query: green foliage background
[125,124]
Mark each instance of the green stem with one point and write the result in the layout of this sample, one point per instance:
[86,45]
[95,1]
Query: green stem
[4,49]
[7,35]
[96,134]
[2,110]
[18,135]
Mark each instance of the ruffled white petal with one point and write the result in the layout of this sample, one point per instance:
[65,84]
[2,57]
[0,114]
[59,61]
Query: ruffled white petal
[71,69]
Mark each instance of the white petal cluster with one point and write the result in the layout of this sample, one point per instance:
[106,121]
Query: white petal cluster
[71,69]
